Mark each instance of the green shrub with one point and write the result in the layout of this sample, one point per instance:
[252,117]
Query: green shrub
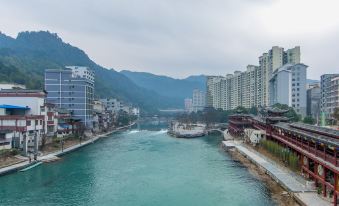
[287,156]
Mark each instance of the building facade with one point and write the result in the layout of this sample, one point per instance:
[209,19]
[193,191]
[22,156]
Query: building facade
[288,86]
[333,99]
[21,119]
[112,105]
[327,86]
[251,87]
[72,89]
[198,100]
[313,101]
[188,105]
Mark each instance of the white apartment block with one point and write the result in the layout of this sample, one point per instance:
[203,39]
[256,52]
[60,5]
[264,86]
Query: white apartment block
[328,94]
[288,86]
[22,119]
[188,105]
[333,99]
[112,105]
[198,100]
[251,87]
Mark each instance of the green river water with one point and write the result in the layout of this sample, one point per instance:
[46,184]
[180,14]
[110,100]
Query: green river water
[139,167]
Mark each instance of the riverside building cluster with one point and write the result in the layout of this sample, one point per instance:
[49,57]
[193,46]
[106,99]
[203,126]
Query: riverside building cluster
[251,88]
[30,118]
[281,78]
[197,102]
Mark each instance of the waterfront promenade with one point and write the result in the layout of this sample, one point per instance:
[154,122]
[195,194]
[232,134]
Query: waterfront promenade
[290,182]
[54,155]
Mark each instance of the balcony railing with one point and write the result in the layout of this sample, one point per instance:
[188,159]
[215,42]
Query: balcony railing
[303,147]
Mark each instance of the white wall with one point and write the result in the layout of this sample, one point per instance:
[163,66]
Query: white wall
[33,103]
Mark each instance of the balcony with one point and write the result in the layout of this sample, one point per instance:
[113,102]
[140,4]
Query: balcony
[13,128]
[50,123]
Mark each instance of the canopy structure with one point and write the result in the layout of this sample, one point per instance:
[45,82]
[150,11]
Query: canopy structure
[6,106]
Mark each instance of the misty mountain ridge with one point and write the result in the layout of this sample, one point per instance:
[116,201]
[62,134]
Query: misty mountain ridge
[31,53]
[178,89]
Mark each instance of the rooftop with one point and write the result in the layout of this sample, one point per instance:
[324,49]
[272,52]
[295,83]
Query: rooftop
[309,135]
[316,129]
[22,93]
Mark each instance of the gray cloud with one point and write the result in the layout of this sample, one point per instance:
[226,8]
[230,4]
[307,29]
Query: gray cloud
[183,37]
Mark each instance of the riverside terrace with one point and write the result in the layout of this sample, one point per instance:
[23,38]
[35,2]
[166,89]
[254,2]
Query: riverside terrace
[317,147]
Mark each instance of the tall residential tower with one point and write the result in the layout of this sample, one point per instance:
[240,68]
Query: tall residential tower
[72,89]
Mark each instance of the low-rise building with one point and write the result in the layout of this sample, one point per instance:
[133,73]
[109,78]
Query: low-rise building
[22,119]
[19,129]
[112,105]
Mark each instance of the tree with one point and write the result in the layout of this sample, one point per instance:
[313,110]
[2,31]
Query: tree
[253,110]
[241,110]
[291,114]
[309,120]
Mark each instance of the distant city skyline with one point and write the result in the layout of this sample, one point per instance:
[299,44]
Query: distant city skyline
[183,38]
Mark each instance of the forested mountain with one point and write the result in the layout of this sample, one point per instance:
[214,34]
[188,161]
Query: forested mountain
[167,86]
[24,59]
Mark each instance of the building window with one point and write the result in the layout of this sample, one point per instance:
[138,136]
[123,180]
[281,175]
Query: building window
[28,123]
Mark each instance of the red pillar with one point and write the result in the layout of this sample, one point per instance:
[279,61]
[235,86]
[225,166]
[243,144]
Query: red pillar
[315,171]
[301,162]
[324,177]
[335,189]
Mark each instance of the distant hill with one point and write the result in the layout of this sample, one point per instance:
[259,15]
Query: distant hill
[177,89]
[198,78]
[24,59]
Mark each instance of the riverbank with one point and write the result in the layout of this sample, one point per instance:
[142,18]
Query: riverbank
[25,163]
[279,195]
[285,188]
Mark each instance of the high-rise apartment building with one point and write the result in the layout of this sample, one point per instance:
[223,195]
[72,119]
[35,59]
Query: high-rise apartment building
[213,91]
[72,89]
[188,105]
[198,100]
[269,62]
[251,87]
[313,100]
[327,86]
[288,86]
[333,99]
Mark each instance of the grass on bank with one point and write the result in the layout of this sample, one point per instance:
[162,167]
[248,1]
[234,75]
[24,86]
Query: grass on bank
[285,155]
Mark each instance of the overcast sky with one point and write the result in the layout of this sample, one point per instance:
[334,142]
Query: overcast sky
[184,37]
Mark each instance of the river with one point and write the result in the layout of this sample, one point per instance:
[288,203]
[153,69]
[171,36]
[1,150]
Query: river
[139,167]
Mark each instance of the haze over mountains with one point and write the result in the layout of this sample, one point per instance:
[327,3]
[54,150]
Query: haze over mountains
[166,86]
[24,59]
